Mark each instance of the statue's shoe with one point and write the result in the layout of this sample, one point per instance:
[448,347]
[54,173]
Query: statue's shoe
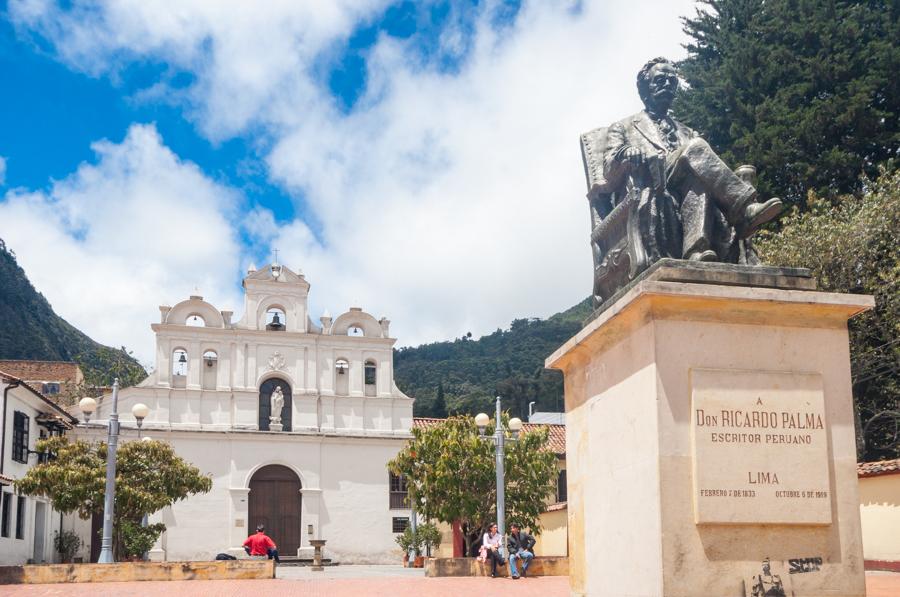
[707,255]
[758,214]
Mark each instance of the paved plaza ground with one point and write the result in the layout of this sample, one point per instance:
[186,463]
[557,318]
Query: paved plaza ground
[351,581]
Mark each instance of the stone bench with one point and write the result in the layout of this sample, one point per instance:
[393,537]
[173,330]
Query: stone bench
[134,571]
[540,566]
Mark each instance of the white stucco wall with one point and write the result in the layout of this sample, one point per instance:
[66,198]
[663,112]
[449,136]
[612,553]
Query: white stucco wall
[344,485]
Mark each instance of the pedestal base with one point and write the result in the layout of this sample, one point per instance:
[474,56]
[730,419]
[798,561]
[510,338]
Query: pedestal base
[710,443]
[275,427]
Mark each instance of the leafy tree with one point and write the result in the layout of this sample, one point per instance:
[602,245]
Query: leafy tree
[851,244]
[149,477]
[451,476]
[805,90]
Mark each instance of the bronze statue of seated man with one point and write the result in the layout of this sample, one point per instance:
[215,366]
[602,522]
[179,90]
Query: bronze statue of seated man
[653,154]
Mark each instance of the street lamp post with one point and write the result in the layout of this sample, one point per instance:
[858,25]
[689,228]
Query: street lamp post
[499,439]
[140,412]
[88,405]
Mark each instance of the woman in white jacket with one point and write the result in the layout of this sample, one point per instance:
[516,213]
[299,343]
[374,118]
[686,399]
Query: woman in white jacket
[490,548]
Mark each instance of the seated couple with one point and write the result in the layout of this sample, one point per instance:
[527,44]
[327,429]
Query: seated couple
[519,543]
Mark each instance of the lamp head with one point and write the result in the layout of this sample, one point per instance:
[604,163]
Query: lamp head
[515,425]
[482,420]
[140,411]
[87,406]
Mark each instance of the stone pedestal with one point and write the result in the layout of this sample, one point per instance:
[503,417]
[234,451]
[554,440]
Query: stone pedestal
[276,427]
[710,438]
[317,544]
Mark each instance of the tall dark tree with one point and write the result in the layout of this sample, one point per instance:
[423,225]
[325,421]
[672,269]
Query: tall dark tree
[439,409]
[806,90]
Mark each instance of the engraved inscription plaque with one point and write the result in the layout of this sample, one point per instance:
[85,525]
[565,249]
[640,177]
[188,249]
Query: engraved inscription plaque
[760,448]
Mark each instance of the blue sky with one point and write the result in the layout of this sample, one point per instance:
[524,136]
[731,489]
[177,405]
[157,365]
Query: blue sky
[418,159]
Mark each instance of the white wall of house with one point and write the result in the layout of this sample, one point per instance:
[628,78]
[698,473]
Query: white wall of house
[29,529]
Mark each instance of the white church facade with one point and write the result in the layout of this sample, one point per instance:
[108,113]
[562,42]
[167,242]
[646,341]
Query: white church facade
[318,473]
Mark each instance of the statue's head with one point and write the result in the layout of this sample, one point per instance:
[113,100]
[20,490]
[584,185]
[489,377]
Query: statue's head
[657,82]
[766,567]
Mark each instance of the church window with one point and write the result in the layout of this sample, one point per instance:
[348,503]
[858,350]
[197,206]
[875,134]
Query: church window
[195,321]
[562,490]
[179,362]
[399,492]
[4,517]
[355,330]
[370,373]
[20,517]
[20,437]
[50,388]
[275,319]
[399,524]
[342,377]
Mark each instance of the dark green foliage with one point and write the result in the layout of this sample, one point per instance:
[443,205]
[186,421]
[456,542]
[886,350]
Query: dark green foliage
[29,329]
[806,90]
[851,244]
[469,374]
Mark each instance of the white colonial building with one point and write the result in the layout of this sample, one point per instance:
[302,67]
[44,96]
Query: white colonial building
[27,524]
[319,473]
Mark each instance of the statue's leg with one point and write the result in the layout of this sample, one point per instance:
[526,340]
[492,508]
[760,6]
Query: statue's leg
[727,189]
[696,223]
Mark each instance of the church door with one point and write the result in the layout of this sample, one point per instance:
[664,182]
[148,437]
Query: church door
[265,403]
[275,503]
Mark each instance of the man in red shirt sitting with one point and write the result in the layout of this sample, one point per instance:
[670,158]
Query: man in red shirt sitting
[261,545]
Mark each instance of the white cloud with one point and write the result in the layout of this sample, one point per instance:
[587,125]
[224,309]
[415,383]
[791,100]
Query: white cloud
[119,237]
[449,202]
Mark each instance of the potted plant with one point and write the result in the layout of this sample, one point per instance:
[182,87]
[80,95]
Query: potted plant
[430,536]
[66,544]
[137,540]
[408,540]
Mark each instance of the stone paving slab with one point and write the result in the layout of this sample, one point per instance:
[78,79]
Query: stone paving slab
[359,581]
[547,586]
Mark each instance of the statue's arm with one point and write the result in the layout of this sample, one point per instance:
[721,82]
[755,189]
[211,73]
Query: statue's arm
[614,167]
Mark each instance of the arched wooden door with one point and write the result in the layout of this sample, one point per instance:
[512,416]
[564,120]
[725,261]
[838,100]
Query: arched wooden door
[275,502]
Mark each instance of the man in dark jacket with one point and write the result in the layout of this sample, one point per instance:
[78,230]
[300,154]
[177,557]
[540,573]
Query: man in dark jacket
[520,546]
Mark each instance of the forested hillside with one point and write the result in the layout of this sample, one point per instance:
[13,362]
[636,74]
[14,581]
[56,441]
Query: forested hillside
[464,375]
[30,329]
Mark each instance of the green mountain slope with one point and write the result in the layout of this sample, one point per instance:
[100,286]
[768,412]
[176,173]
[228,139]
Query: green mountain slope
[470,373]
[30,329]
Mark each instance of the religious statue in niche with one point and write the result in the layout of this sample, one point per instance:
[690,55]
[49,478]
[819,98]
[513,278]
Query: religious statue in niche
[656,189]
[277,403]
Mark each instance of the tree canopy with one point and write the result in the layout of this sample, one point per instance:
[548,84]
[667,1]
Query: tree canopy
[852,244]
[805,90]
[149,477]
[451,471]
